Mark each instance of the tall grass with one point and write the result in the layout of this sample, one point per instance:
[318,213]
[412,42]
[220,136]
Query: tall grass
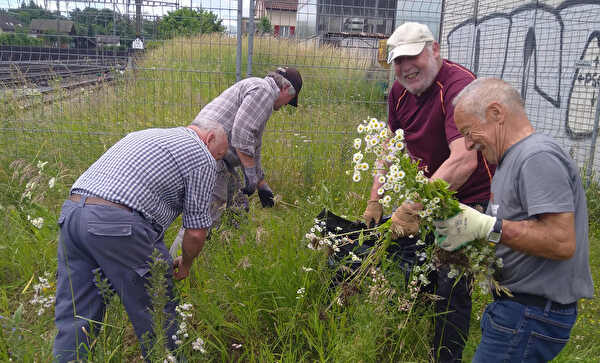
[246,286]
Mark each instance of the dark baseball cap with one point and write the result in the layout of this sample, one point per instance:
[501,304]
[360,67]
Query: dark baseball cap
[292,75]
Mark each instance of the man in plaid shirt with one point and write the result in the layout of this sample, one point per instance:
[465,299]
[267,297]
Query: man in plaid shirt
[243,110]
[114,221]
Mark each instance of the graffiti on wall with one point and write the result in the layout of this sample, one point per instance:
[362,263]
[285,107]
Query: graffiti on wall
[551,54]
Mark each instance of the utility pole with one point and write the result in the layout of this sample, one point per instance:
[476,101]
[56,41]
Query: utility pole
[138,18]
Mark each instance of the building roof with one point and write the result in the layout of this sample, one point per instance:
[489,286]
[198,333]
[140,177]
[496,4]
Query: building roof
[9,24]
[288,5]
[55,25]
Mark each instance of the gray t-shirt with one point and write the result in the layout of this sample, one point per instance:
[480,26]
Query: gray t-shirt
[536,176]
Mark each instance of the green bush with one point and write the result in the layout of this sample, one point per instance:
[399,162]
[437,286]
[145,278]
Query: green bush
[19,39]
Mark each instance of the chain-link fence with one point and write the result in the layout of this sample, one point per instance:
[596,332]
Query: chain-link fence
[74,80]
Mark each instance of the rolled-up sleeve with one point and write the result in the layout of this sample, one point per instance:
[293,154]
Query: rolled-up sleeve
[199,185]
[250,120]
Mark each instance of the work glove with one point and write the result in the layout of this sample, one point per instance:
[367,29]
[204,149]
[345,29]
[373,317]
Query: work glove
[405,220]
[251,178]
[373,213]
[266,195]
[468,225]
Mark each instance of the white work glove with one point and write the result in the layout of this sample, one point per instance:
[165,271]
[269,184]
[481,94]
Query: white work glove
[468,225]
[373,213]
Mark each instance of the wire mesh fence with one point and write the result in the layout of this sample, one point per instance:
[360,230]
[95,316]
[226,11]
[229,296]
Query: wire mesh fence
[74,79]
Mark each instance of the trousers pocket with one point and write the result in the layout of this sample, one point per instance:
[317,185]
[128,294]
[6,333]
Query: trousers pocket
[109,229]
[543,348]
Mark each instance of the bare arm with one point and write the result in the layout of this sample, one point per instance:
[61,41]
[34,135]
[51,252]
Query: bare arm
[459,166]
[193,242]
[246,160]
[550,236]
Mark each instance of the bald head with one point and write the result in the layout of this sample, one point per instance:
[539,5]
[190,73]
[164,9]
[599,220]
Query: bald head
[491,116]
[213,135]
[482,92]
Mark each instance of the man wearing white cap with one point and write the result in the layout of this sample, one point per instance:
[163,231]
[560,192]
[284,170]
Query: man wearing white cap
[420,103]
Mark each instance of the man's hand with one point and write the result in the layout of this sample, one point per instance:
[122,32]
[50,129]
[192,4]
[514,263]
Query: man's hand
[463,228]
[373,213]
[405,220]
[266,195]
[251,178]
[180,270]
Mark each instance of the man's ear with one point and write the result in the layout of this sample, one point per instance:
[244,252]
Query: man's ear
[289,90]
[495,112]
[210,137]
[435,47]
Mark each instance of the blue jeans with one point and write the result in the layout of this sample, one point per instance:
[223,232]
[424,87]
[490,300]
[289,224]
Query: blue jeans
[513,332]
[118,243]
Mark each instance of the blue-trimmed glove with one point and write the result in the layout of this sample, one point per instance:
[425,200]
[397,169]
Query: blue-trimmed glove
[252,179]
[468,225]
[266,195]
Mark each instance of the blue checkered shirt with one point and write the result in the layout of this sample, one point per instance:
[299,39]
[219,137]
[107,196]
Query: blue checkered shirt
[160,173]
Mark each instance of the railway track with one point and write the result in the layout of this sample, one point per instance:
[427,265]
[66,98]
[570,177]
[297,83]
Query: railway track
[38,66]
[17,74]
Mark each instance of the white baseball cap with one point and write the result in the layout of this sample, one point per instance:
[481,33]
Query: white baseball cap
[408,39]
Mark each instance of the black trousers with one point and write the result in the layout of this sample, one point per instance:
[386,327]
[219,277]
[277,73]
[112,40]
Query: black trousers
[453,311]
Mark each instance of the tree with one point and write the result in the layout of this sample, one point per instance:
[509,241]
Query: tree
[264,25]
[18,39]
[187,21]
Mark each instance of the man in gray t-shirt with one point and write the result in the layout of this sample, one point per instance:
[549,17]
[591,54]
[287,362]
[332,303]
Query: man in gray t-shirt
[536,177]
[538,218]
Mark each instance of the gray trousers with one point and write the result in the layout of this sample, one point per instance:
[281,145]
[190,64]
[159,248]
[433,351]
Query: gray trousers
[117,243]
[226,194]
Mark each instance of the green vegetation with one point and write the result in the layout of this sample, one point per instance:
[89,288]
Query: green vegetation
[264,26]
[92,21]
[187,21]
[19,39]
[245,287]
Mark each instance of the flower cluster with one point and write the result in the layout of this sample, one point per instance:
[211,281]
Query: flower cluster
[319,239]
[380,290]
[403,179]
[37,222]
[42,296]
[198,345]
[184,313]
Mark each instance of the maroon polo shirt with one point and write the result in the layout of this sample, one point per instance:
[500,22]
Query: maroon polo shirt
[428,124]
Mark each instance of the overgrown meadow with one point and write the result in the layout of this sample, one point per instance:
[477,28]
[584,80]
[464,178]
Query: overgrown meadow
[256,293]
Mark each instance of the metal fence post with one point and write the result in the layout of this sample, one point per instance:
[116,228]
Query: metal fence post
[250,38]
[238,52]
[590,166]
[474,44]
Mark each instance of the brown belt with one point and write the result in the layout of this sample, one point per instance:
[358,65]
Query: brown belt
[98,201]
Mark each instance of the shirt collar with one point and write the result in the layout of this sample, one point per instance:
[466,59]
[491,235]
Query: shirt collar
[273,85]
